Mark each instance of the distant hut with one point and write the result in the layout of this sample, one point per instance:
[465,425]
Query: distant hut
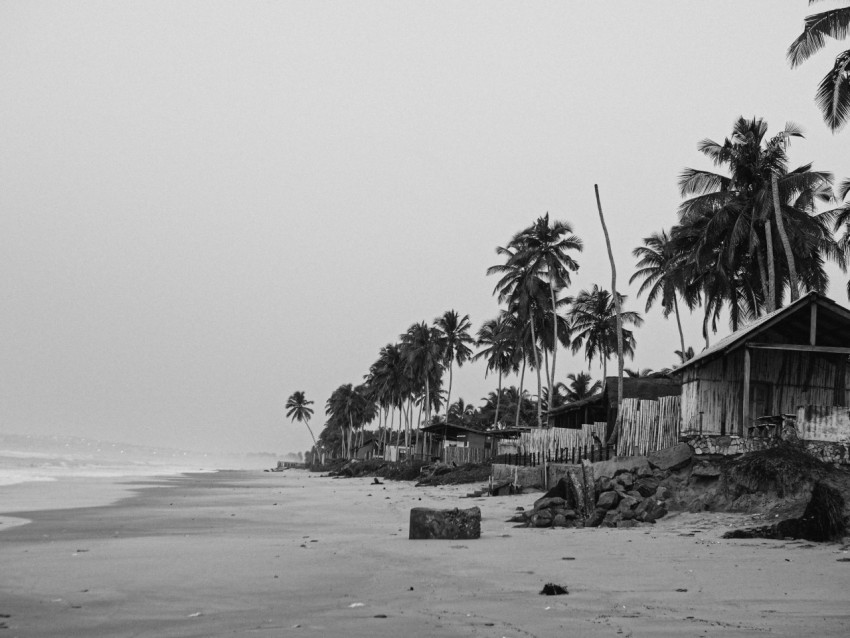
[793,357]
[461,444]
[370,448]
[602,407]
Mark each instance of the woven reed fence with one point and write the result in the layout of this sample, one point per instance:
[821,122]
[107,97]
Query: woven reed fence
[557,445]
[553,439]
[647,425]
[461,455]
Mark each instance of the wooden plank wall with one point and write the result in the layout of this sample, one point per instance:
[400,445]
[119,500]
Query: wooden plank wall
[716,389]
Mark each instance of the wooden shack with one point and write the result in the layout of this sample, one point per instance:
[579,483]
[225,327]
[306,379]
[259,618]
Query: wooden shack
[603,405]
[795,356]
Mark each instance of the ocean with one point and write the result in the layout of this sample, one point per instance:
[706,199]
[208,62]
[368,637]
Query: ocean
[29,458]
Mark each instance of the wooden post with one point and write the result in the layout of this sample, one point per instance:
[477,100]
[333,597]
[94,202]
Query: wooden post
[745,413]
[813,324]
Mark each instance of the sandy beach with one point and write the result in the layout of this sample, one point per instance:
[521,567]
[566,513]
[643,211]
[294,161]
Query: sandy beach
[296,554]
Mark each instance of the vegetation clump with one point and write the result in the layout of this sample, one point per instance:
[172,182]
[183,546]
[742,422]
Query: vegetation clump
[784,468]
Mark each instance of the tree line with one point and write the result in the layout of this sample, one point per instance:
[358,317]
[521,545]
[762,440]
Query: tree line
[749,236]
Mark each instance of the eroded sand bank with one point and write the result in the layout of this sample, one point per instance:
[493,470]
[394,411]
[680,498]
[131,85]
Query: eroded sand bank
[294,554]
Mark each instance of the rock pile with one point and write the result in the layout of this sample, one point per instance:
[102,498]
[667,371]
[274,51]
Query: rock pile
[548,512]
[629,499]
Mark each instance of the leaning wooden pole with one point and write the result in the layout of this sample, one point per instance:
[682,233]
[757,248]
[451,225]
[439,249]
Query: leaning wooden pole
[616,304]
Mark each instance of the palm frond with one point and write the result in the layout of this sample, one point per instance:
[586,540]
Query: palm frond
[818,27]
[833,94]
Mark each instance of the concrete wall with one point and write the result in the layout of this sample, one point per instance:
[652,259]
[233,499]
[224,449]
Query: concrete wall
[525,476]
[530,476]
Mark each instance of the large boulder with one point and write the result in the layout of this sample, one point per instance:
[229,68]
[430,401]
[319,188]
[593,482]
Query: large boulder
[608,500]
[647,486]
[454,524]
[672,458]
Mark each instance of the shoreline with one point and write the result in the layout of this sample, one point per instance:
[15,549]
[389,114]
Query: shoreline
[293,553]
[72,491]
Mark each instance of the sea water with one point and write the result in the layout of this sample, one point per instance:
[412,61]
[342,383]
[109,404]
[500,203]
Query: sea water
[25,458]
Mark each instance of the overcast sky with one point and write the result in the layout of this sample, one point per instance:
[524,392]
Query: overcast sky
[205,206]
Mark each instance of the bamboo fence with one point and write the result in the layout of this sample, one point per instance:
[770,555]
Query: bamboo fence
[550,441]
[645,426]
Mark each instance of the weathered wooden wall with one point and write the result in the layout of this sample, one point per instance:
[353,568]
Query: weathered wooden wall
[823,423]
[794,379]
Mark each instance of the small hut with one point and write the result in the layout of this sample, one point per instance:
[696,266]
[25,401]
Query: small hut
[462,444]
[793,357]
[603,405]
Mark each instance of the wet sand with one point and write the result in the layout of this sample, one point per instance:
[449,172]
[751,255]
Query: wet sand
[294,554]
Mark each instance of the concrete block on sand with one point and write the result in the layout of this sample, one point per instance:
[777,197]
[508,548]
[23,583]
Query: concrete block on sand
[454,524]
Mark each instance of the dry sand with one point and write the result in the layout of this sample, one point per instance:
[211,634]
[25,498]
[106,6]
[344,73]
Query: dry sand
[294,554]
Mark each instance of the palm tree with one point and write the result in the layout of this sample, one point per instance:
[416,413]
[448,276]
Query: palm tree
[542,250]
[640,373]
[298,409]
[455,338]
[526,294]
[685,355]
[349,408]
[581,386]
[661,269]
[423,350]
[833,95]
[595,326]
[736,215]
[498,348]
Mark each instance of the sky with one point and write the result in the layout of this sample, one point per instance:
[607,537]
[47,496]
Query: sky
[205,206]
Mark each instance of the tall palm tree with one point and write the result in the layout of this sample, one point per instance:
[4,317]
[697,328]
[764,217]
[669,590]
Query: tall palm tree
[423,349]
[739,213]
[543,250]
[527,296]
[661,269]
[498,349]
[456,340]
[833,94]
[349,408]
[298,409]
[595,326]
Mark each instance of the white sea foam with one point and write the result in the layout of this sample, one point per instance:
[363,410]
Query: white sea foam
[28,458]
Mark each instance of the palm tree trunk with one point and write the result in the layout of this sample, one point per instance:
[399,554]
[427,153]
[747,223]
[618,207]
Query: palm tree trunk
[786,245]
[554,343]
[771,267]
[521,383]
[448,403]
[616,304]
[498,400]
[315,444]
[537,368]
[679,323]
